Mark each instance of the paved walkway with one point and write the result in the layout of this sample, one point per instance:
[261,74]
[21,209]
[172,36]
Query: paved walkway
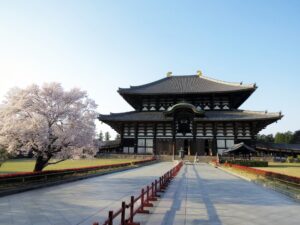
[202,194]
[80,202]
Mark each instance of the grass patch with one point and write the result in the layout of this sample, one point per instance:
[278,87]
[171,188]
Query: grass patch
[291,169]
[27,165]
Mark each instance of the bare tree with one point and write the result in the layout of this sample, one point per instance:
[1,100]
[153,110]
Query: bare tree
[51,122]
[107,136]
[101,137]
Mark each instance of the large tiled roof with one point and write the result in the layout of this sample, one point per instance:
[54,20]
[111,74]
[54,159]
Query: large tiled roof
[236,115]
[189,84]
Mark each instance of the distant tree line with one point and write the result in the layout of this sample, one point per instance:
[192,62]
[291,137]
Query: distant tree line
[281,138]
[107,136]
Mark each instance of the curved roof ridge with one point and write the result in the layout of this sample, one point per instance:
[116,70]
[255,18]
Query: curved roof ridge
[226,82]
[261,112]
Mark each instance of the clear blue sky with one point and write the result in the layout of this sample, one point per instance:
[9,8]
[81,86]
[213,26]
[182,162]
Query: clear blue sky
[102,45]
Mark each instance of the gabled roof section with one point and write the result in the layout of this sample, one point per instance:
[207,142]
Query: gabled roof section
[240,147]
[184,105]
[189,84]
[237,115]
[263,118]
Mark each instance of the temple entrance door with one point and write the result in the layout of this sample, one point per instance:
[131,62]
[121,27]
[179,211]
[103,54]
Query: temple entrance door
[186,147]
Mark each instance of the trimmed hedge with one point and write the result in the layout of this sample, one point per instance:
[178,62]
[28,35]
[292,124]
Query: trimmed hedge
[249,163]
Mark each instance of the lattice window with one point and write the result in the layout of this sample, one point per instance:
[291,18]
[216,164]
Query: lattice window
[149,130]
[220,129]
[209,129]
[145,146]
[168,128]
[160,130]
[247,130]
[141,130]
[240,131]
[229,129]
[199,130]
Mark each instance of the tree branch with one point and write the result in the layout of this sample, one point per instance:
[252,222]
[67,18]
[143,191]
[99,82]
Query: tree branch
[52,163]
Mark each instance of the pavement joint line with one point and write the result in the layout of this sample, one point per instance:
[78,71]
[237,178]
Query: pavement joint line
[186,194]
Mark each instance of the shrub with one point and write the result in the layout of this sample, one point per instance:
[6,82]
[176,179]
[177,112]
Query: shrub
[249,163]
[290,159]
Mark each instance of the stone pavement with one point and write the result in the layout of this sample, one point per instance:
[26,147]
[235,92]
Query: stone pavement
[202,194]
[80,202]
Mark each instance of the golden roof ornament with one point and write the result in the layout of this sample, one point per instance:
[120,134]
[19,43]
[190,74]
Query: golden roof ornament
[199,73]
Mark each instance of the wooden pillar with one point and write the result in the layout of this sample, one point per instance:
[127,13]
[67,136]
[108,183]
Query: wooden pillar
[244,129]
[121,138]
[173,140]
[155,150]
[214,144]
[194,130]
[235,132]
[193,143]
[135,138]
[253,135]
[204,129]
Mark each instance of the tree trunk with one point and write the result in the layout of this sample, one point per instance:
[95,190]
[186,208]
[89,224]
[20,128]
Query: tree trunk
[40,163]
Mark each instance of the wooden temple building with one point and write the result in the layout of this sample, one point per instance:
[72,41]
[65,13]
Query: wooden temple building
[193,113]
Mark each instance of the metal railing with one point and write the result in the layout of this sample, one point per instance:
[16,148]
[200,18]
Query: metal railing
[137,204]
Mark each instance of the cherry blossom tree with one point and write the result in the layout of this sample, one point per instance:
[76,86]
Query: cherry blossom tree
[52,123]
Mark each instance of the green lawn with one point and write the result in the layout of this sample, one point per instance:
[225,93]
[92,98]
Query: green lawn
[24,165]
[292,169]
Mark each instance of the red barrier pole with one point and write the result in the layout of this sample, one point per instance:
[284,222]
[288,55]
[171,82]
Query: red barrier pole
[161,184]
[131,209]
[148,196]
[130,220]
[156,190]
[123,214]
[165,180]
[153,196]
[142,199]
[110,217]
[147,203]
[143,203]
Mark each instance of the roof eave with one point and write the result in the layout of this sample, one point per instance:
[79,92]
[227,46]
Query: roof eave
[128,91]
